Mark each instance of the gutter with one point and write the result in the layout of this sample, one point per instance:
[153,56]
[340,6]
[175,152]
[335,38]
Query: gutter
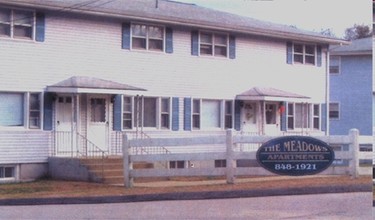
[176,21]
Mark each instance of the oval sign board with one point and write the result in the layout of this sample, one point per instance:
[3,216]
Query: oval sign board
[295,155]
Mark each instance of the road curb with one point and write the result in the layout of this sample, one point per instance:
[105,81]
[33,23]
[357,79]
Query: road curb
[189,195]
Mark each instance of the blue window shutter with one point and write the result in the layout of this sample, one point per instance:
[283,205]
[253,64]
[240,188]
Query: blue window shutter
[283,118]
[289,52]
[40,27]
[168,40]
[194,43]
[117,114]
[175,112]
[187,114]
[319,55]
[324,117]
[237,115]
[47,111]
[232,47]
[126,36]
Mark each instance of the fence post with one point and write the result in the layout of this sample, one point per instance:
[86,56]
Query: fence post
[230,163]
[128,181]
[354,147]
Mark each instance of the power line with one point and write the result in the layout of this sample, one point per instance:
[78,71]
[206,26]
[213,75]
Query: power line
[67,8]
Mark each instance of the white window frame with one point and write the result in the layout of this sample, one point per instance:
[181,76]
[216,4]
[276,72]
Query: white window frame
[176,164]
[12,23]
[213,44]
[304,53]
[158,112]
[199,114]
[338,111]
[131,112]
[226,114]
[39,111]
[196,114]
[147,38]
[15,173]
[309,110]
[338,66]
[318,116]
[169,113]
[26,112]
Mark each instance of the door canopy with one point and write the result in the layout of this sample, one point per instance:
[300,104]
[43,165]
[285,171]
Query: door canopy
[85,84]
[270,94]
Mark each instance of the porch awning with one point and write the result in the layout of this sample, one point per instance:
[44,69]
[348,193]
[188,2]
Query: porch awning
[270,94]
[85,84]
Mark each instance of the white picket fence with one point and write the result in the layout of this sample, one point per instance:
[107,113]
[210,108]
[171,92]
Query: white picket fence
[353,155]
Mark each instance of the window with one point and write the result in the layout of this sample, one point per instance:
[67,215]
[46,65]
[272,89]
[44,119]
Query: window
[316,117]
[12,109]
[334,65]
[211,114]
[334,110]
[127,113]
[34,112]
[7,172]
[180,164]
[149,112]
[220,163]
[16,23]
[291,116]
[304,54]
[196,114]
[164,113]
[146,37]
[299,116]
[98,110]
[270,114]
[213,44]
[228,114]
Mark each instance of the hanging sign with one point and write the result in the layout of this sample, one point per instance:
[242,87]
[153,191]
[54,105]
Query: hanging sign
[295,155]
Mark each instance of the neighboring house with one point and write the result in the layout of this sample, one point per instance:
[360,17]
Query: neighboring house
[351,88]
[76,75]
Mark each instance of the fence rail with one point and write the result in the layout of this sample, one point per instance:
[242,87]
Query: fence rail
[353,155]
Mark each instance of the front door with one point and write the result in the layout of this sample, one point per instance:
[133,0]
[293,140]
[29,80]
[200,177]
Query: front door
[249,118]
[98,121]
[271,119]
[65,137]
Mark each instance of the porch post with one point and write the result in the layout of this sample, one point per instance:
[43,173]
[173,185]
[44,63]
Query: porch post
[76,123]
[72,126]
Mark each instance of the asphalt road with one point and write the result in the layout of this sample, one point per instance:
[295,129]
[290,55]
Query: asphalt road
[318,206]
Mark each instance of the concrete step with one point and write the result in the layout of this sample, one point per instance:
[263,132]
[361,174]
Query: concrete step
[109,170]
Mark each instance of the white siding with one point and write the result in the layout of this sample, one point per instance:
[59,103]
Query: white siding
[92,47]
[24,147]
[88,46]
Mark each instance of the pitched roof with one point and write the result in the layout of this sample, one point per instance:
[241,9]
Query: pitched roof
[79,83]
[361,46]
[270,94]
[172,12]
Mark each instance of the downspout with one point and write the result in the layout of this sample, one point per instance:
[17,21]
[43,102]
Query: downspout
[327,92]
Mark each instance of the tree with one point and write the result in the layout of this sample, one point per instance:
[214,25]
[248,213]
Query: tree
[327,32]
[357,32]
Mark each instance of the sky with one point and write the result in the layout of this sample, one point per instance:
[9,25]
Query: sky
[313,15]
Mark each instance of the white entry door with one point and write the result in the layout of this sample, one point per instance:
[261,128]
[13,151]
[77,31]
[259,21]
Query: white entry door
[249,118]
[65,137]
[98,121]
[271,119]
